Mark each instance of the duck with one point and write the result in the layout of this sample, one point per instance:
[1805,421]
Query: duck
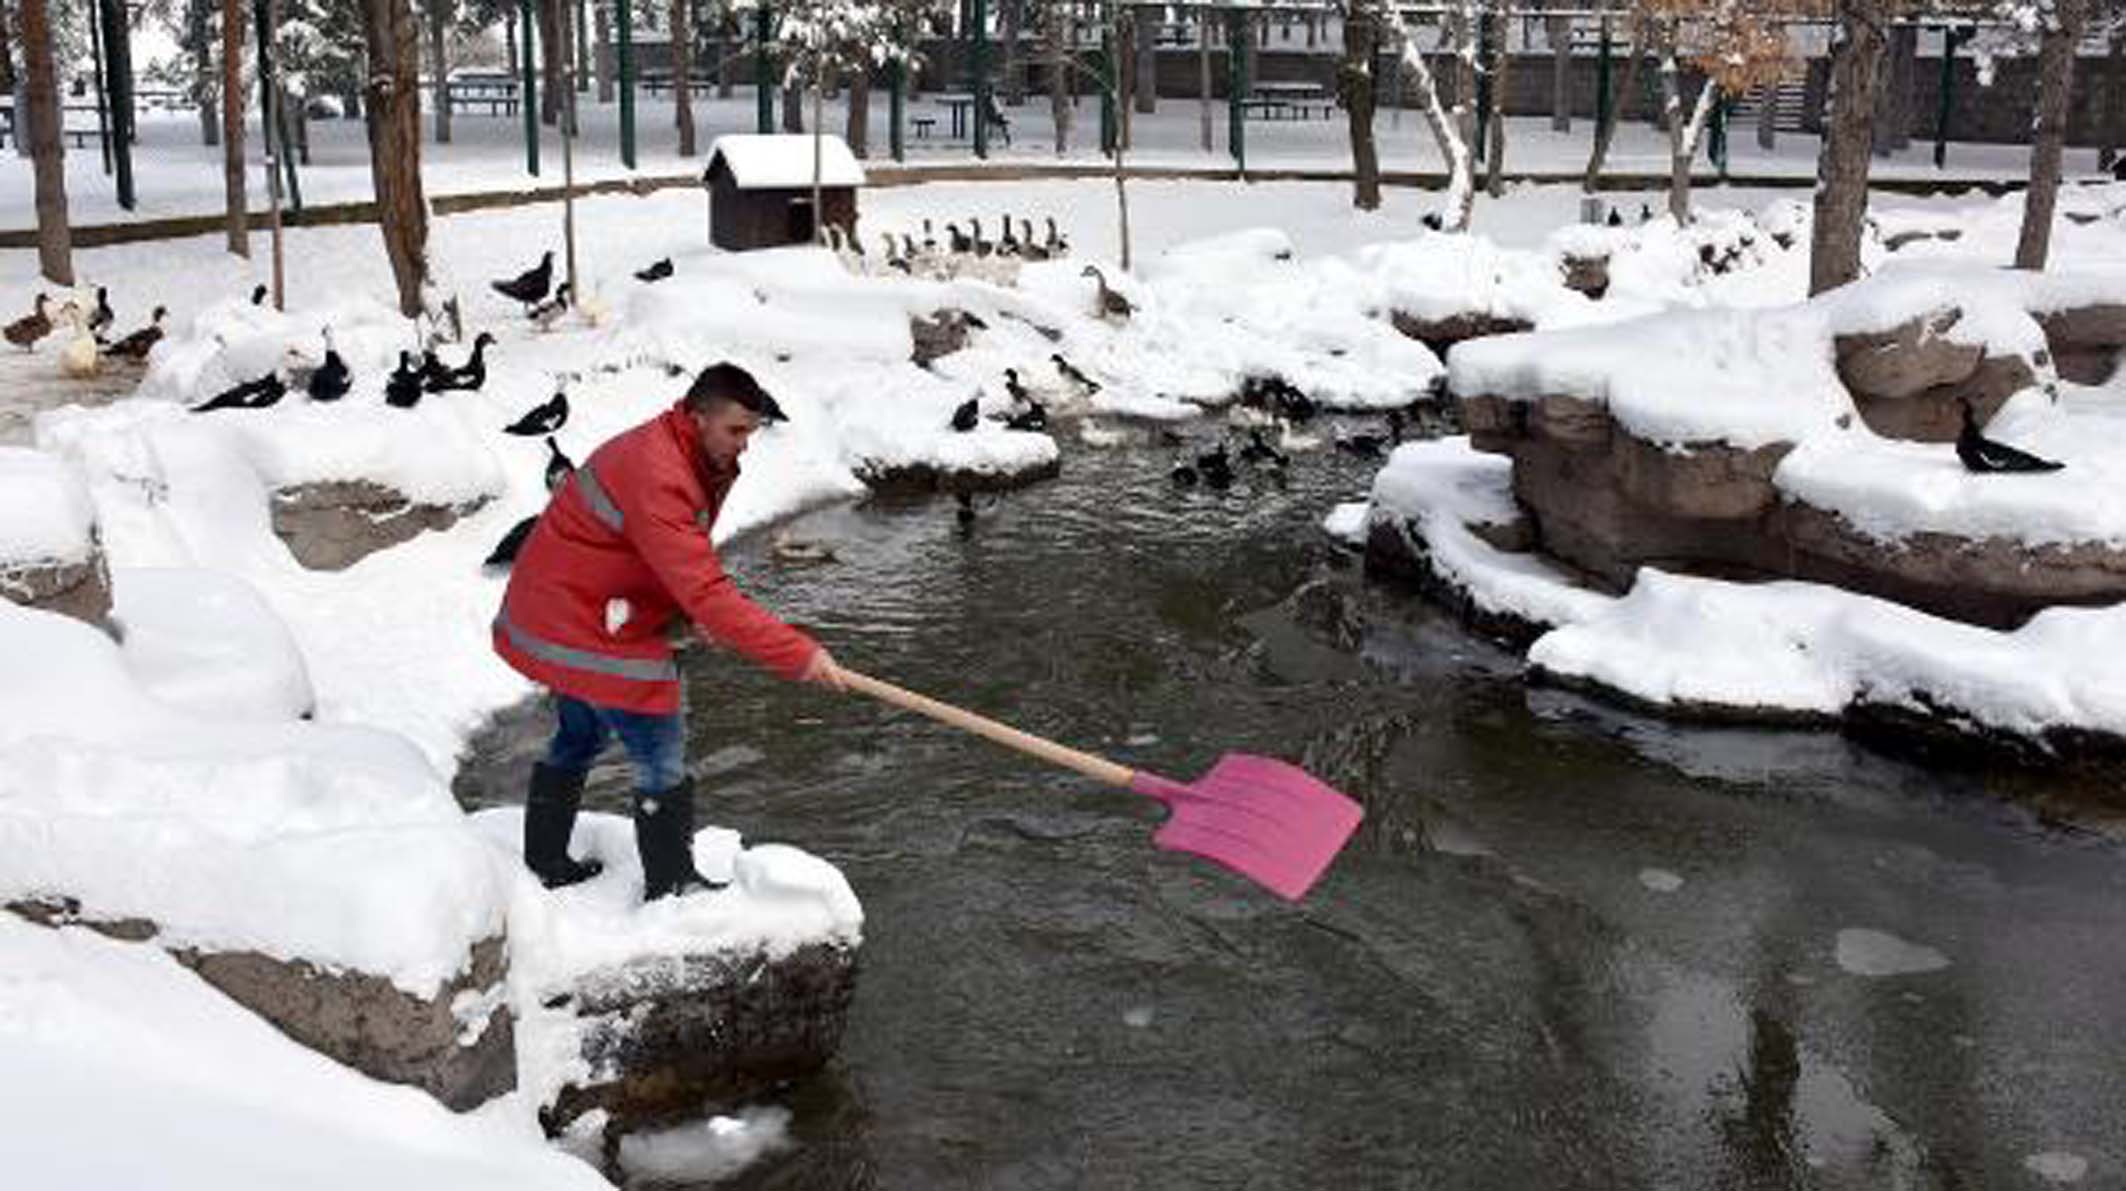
[101,319]
[250,394]
[967,415]
[788,549]
[504,555]
[137,345]
[331,379]
[468,376]
[404,388]
[531,285]
[655,272]
[1055,244]
[24,332]
[558,465]
[258,294]
[544,418]
[1216,467]
[1432,221]
[1614,220]
[1646,213]
[1981,454]
[1019,395]
[1291,441]
[548,312]
[1035,418]
[1070,372]
[1258,450]
[78,357]
[1110,302]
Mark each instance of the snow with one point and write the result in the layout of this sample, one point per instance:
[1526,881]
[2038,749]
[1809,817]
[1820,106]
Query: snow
[770,161]
[125,1070]
[49,516]
[207,642]
[1875,953]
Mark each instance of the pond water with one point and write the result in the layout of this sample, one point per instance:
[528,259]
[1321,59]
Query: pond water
[1569,947]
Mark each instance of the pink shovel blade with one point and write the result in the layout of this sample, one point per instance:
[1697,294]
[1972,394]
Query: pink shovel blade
[1271,822]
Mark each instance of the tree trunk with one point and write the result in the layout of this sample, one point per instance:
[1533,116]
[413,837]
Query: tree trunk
[1455,204]
[2114,100]
[1768,116]
[682,86]
[55,240]
[1147,80]
[859,127]
[1354,77]
[1559,30]
[393,101]
[1461,25]
[1495,121]
[1011,16]
[553,44]
[793,109]
[1683,141]
[1842,162]
[726,56]
[1606,129]
[439,13]
[199,42]
[1054,20]
[602,60]
[1893,102]
[1122,72]
[237,220]
[582,55]
[2055,86]
[509,41]
[1203,76]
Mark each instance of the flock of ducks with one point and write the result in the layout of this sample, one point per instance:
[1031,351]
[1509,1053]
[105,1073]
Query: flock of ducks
[85,349]
[960,252]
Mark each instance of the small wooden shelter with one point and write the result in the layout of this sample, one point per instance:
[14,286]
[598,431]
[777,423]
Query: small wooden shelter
[760,189]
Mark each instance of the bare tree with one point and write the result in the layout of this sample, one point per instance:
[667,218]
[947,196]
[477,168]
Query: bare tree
[392,109]
[440,14]
[1010,16]
[1450,129]
[1203,76]
[1606,127]
[553,46]
[237,219]
[1558,29]
[55,238]
[1498,68]
[602,23]
[859,123]
[1842,162]
[1354,88]
[682,86]
[1055,59]
[1145,87]
[2062,23]
[2114,94]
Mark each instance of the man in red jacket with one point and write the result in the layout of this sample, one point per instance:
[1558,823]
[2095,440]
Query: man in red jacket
[621,549]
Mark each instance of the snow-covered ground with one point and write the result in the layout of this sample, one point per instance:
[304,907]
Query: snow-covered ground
[155,776]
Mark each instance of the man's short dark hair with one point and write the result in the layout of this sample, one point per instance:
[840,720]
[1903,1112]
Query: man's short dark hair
[729,382]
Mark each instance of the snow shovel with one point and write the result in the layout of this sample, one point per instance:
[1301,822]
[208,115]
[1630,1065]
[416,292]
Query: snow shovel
[1268,821]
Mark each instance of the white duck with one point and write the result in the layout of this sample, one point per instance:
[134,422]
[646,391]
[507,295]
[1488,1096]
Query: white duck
[79,357]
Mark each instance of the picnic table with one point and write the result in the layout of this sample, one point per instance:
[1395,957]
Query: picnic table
[1289,101]
[658,82]
[78,131]
[957,105]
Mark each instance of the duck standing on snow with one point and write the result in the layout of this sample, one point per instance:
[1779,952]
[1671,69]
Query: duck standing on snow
[967,415]
[331,379]
[542,419]
[403,389]
[656,272]
[549,312]
[78,358]
[24,332]
[531,285]
[1111,303]
[137,345]
[101,319]
[468,376]
[558,465]
[258,294]
[251,394]
[1981,454]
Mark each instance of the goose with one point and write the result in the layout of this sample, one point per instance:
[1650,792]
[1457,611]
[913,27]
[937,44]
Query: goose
[982,247]
[1007,244]
[137,345]
[1110,302]
[1027,247]
[24,332]
[1055,244]
[958,239]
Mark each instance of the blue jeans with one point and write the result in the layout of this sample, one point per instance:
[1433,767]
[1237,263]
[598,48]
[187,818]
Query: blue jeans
[655,743]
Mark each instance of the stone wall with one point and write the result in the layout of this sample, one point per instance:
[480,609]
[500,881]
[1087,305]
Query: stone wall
[331,526]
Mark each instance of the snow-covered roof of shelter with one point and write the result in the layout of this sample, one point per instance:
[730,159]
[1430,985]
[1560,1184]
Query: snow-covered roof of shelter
[771,161]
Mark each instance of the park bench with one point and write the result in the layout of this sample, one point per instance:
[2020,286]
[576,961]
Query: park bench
[923,125]
[497,95]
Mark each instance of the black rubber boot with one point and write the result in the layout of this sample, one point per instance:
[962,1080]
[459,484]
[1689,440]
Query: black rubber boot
[549,817]
[664,835]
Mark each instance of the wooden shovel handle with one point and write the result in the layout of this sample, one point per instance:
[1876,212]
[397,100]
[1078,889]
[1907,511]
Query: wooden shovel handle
[1098,768]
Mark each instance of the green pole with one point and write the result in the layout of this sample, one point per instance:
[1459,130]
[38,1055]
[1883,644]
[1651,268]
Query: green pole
[1946,98]
[1236,86]
[1716,141]
[980,89]
[118,87]
[624,29]
[1602,100]
[531,93]
[763,69]
[1483,86]
[896,80]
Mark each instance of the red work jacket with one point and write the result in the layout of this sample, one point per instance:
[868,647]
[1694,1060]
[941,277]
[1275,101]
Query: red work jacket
[622,546]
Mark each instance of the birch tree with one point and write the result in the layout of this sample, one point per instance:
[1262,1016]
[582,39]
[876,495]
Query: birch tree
[1450,127]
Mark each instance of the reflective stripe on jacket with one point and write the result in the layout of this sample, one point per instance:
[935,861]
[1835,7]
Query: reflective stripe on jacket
[623,547]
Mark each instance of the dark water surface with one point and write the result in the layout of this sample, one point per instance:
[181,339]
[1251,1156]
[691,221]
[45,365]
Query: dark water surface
[1499,985]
